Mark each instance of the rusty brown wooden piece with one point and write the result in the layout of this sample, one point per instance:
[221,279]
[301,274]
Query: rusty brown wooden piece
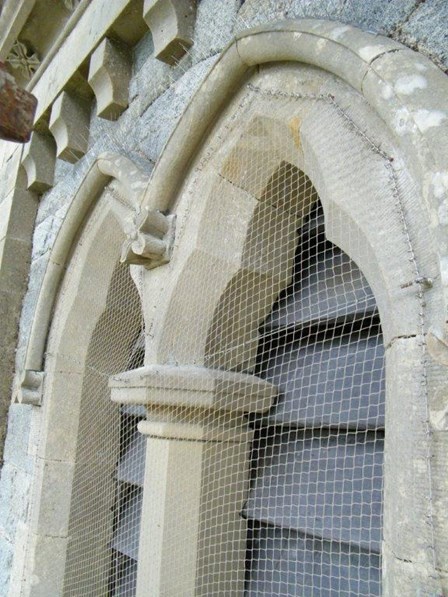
[17,108]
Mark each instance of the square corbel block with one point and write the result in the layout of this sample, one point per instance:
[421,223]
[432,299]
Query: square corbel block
[109,76]
[69,125]
[171,23]
[39,159]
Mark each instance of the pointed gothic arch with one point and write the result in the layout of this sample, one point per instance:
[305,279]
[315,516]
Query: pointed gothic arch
[352,82]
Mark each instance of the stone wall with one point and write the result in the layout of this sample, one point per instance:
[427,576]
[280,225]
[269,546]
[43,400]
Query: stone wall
[158,96]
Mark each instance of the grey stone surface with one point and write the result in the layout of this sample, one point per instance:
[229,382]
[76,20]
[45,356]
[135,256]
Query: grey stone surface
[6,557]
[427,31]
[151,76]
[37,270]
[14,493]
[418,24]
[46,232]
[159,120]
[256,12]
[16,445]
[214,27]
[377,15]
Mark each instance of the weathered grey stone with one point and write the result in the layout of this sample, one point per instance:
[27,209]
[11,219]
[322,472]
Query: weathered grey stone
[402,577]
[45,233]
[213,27]
[16,445]
[6,558]
[419,25]
[37,270]
[377,15]
[54,481]
[159,120]
[155,77]
[415,517]
[426,31]
[256,12]
[14,496]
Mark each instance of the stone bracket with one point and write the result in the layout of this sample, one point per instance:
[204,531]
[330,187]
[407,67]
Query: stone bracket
[171,23]
[39,160]
[29,388]
[69,125]
[150,238]
[109,76]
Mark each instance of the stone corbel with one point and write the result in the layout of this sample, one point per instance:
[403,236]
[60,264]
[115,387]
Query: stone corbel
[109,76]
[171,23]
[150,237]
[29,388]
[69,125]
[39,159]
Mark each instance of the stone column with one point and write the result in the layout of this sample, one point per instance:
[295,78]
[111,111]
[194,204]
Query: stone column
[193,539]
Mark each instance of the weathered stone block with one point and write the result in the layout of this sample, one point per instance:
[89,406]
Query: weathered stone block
[6,558]
[213,27]
[109,76]
[54,481]
[426,30]
[48,558]
[14,498]
[415,520]
[16,452]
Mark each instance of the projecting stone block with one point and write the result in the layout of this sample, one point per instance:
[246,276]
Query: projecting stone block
[109,76]
[39,159]
[69,124]
[171,23]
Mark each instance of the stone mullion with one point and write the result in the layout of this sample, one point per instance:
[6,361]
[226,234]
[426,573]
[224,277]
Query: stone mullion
[196,476]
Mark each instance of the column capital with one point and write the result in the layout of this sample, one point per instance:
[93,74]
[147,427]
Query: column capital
[192,387]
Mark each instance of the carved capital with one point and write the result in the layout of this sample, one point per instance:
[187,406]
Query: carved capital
[29,388]
[109,76]
[193,403]
[69,125]
[149,241]
[171,23]
[23,59]
[71,5]
[193,387]
[39,158]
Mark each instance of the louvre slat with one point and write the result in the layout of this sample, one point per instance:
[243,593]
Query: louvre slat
[127,578]
[289,563]
[349,369]
[329,289]
[128,528]
[131,468]
[322,484]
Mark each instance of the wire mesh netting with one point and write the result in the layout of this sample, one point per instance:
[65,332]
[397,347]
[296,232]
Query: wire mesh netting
[297,509]
[108,479]
[292,509]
